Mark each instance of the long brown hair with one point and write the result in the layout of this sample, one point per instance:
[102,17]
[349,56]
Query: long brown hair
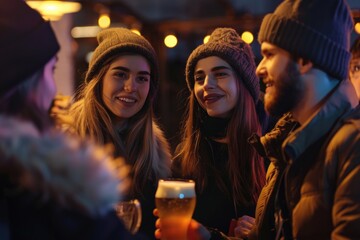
[141,142]
[245,166]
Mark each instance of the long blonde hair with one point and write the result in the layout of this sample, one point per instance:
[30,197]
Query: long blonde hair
[141,143]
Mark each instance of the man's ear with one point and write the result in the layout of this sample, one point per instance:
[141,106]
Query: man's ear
[304,65]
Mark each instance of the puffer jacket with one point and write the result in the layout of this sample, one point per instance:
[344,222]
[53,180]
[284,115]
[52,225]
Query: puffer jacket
[53,186]
[321,182]
[269,146]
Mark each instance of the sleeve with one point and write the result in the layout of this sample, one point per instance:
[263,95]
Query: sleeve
[345,148]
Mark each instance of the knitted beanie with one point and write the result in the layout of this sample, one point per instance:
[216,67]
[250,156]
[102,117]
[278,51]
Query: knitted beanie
[355,48]
[317,30]
[226,44]
[27,43]
[115,41]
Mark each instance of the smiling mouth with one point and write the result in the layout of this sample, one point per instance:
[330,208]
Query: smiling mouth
[126,100]
[212,99]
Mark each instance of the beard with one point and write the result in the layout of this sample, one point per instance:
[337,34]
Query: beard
[287,91]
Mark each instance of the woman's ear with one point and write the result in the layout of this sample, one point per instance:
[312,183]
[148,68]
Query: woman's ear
[304,65]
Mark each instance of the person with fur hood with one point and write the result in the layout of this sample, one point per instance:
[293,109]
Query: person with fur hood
[47,178]
[115,105]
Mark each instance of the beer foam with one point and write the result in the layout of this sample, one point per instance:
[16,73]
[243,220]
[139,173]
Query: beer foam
[175,189]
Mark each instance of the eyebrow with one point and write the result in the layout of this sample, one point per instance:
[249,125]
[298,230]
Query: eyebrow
[268,49]
[217,68]
[220,68]
[128,70]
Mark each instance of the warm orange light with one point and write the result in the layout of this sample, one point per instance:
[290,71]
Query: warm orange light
[357,28]
[134,30]
[247,37]
[54,10]
[206,39]
[104,21]
[85,31]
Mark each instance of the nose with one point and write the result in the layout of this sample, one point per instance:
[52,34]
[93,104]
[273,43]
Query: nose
[210,82]
[130,84]
[261,70]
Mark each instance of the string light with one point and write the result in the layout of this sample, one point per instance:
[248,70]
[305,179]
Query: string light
[206,39]
[104,20]
[170,41]
[357,27]
[247,37]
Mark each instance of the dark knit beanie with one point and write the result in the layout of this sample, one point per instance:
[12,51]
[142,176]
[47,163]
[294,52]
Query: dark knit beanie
[355,48]
[115,41]
[317,30]
[226,44]
[27,43]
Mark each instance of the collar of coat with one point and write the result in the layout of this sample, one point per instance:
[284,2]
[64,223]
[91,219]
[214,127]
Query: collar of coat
[341,101]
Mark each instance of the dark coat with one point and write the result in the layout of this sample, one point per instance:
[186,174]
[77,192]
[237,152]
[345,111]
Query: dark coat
[269,146]
[323,176]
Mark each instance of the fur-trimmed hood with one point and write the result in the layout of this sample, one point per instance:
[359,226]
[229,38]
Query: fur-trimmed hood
[61,168]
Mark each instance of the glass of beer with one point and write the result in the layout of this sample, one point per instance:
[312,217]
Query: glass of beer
[130,213]
[175,200]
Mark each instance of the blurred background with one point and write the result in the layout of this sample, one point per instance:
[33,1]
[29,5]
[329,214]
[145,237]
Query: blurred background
[173,27]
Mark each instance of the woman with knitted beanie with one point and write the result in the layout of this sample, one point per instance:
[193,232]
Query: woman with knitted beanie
[46,177]
[221,116]
[115,106]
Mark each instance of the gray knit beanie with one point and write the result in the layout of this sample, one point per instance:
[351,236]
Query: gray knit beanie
[226,44]
[318,30]
[114,41]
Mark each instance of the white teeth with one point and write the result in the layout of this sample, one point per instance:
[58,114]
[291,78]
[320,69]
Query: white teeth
[128,100]
[269,84]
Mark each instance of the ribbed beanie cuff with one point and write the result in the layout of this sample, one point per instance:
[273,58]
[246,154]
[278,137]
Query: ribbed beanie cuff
[317,30]
[303,41]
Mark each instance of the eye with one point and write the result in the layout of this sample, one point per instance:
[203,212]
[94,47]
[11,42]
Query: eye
[269,55]
[356,68]
[143,78]
[121,75]
[199,78]
[221,74]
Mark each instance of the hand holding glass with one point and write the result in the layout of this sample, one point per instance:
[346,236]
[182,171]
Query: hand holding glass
[175,201]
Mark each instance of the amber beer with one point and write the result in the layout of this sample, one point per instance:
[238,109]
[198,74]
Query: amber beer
[175,201]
